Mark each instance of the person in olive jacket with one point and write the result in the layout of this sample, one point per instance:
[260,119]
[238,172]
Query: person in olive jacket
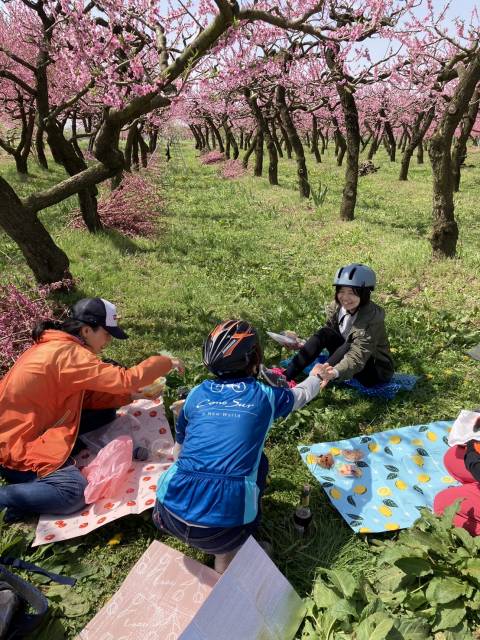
[354,334]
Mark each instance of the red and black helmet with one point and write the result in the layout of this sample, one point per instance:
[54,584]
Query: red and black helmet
[233,347]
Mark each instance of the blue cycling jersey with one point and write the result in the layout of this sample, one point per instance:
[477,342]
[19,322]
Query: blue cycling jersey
[222,427]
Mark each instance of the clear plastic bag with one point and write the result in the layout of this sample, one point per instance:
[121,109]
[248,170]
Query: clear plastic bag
[126,425]
[108,471]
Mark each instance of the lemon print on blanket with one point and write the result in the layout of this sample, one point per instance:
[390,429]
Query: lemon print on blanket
[360,489]
[448,479]
[364,530]
[418,460]
[374,447]
[335,451]
[385,511]
[384,491]
[431,436]
[394,439]
[417,442]
[335,493]
[400,484]
[423,477]
[392,526]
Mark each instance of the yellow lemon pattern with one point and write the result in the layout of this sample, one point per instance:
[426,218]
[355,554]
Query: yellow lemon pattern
[360,489]
[399,472]
[418,460]
[384,491]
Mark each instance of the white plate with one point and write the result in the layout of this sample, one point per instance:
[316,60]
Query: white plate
[283,340]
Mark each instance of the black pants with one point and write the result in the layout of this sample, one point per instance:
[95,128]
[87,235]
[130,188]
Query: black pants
[337,347]
[90,420]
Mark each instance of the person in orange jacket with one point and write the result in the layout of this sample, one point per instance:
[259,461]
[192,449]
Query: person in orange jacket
[57,388]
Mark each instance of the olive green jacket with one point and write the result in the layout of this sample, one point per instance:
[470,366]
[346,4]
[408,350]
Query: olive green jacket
[368,337]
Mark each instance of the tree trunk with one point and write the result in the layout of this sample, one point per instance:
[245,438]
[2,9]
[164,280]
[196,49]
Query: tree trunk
[347,208]
[249,152]
[273,131]
[445,230]
[143,150]
[40,146]
[295,142]
[392,143]
[315,149]
[47,261]
[420,153]
[340,143]
[265,133]
[459,151]
[258,169]
[286,141]
[21,166]
[419,128]
[198,142]
[216,134]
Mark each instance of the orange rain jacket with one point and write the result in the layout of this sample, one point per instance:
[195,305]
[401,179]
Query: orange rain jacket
[43,394]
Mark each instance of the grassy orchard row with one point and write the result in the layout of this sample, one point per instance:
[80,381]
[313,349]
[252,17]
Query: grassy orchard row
[241,247]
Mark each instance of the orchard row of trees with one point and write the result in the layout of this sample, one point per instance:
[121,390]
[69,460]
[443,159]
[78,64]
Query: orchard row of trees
[242,77]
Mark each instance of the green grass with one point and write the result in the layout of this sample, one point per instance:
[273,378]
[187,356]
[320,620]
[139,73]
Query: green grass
[243,248]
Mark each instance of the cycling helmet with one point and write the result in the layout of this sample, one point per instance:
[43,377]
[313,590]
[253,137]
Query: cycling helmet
[355,275]
[233,347]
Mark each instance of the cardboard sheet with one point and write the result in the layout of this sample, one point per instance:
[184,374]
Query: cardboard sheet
[157,600]
[167,596]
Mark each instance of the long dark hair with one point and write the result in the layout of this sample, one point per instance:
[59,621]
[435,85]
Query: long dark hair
[362,292]
[69,326]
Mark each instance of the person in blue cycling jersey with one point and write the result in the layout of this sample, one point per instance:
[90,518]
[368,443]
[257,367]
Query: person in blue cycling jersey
[210,497]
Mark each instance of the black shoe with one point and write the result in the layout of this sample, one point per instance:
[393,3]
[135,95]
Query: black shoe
[272,378]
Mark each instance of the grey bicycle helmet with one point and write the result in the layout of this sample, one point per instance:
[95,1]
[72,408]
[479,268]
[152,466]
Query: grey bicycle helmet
[355,275]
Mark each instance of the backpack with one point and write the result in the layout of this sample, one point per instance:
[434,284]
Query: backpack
[16,593]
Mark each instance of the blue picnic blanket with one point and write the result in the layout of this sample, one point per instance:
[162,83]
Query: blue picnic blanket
[401,471]
[387,390]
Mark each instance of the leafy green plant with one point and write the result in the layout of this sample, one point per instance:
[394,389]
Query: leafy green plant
[426,584]
[318,196]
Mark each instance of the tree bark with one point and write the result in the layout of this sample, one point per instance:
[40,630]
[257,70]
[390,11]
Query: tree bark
[40,147]
[295,142]
[216,134]
[420,153]
[392,143]
[47,261]
[420,126]
[445,229]
[265,133]
[315,149]
[459,151]
[286,141]
[258,168]
[249,152]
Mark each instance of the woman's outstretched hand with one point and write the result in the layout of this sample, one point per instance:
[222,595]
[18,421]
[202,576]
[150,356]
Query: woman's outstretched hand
[324,371]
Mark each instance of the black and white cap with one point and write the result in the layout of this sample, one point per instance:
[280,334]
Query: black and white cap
[98,313]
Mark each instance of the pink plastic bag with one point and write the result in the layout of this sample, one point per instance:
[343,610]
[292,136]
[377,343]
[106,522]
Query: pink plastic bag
[108,471]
